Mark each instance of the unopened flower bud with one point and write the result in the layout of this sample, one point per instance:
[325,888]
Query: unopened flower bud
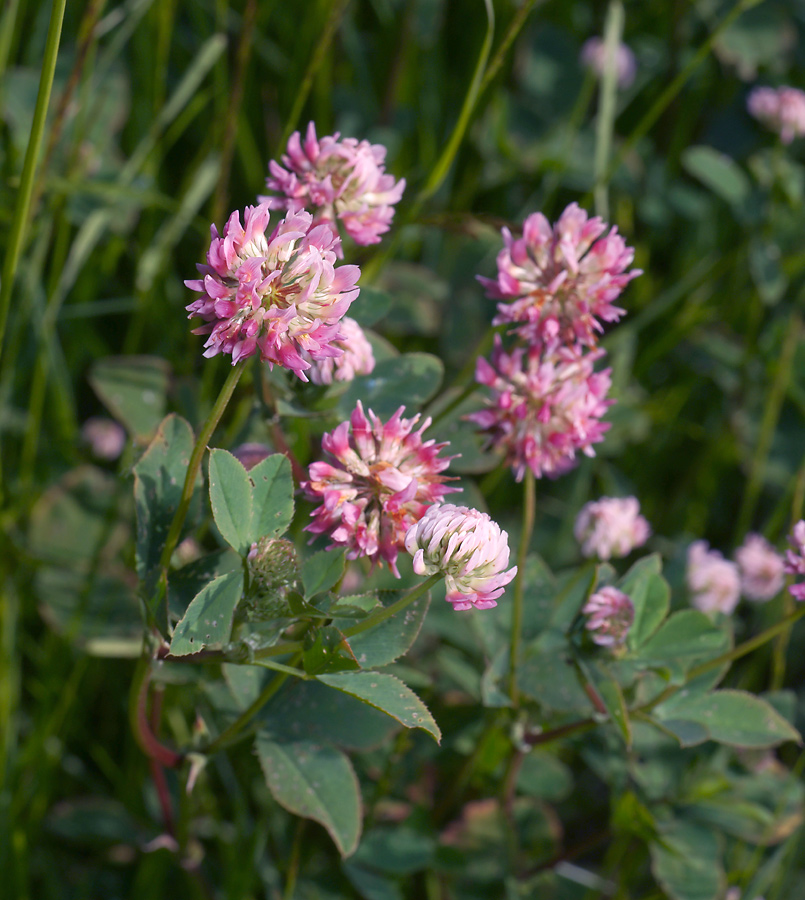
[274,567]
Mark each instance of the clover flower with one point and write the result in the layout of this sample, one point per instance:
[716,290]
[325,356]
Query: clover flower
[356,357]
[340,181]
[105,437]
[546,404]
[611,526]
[780,109]
[561,282]
[593,56]
[713,581]
[760,567]
[610,615]
[382,479]
[795,559]
[468,547]
[278,294]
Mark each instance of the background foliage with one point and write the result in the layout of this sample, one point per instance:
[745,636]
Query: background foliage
[162,118]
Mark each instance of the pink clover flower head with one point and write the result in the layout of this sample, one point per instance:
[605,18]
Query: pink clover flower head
[546,403]
[340,181]
[611,526]
[760,567]
[382,478]
[593,56]
[356,357]
[561,281]
[713,581]
[780,109]
[468,547]
[795,559]
[106,438]
[610,614]
[274,293]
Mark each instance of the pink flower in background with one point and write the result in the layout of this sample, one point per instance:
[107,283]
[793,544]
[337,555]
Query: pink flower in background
[593,56]
[611,526]
[546,404]
[561,282]
[761,568]
[382,479]
[356,359]
[780,109]
[795,559]
[610,615]
[468,547]
[713,581]
[278,294]
[338,181]
[105,437]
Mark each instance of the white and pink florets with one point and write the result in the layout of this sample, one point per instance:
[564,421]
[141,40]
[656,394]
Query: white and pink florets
[546,403]
[277,294]
[780,109]
[468,547]
[381,480]
[610,614]
[342,181]
[761,568]
[713,581]
[356,357]
[611,526]
[594,57]
[561,281]
[795,559]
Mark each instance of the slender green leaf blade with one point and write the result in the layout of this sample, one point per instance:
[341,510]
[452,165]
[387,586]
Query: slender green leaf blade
[231,498]
[272,497]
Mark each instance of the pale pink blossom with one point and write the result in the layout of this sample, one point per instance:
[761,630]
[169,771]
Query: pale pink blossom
[611,526]
[357,357]
[795,559]
[468,547]
[713,581]
[761,568]
[561,281]
[546,403]
[278,294]
[382,478]
[339,181]
[593,56]
[106,438]
[610,614]
[780,109]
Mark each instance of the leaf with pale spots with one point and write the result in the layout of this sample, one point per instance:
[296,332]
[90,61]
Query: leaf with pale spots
[392,638]
[316,782]
[326,650]
[389,695]
[208,619]
[321,571]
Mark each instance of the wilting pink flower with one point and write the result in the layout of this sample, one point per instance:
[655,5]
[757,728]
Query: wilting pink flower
[382,479]
[105,437]
[795,559]
[761,568]
[593,55]
[610,615]
[611,526]
[546,404]
[468,548]
[713,581]
[356,359]
[561,281]
[341,180]
[780,109]
[278,294]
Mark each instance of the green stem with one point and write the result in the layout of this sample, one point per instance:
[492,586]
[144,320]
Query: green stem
[395,607]
[768,425]
[230,733]
[529,509]
[192,471]
[607,97]
[23,204]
